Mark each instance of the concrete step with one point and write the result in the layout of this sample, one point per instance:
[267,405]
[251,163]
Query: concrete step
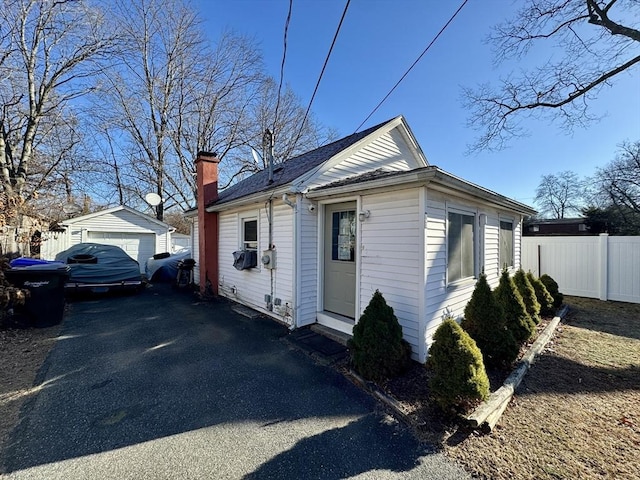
[334,335]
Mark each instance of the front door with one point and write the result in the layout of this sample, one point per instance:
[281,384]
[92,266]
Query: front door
[340,259]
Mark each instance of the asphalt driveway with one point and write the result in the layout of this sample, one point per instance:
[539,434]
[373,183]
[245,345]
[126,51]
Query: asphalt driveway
[162,386]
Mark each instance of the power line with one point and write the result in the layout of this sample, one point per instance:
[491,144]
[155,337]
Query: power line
[326,61]
[284,57]
[413,64]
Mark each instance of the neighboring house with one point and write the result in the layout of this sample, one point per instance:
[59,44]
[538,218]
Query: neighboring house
[140,235]
[557,226]
[363,213]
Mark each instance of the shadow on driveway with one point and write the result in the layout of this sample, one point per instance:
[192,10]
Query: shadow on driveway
[161,368]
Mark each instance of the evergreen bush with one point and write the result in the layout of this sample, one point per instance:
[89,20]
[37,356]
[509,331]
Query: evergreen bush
[542,294]
[378,350]
[485,322]
[528,295]
[517,318]
[459,378]
[552,287]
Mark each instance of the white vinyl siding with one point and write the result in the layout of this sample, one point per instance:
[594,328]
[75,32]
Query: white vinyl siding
[491,257]
[308,287]
[441,298]
[390,253]
[253,284]
[390,152]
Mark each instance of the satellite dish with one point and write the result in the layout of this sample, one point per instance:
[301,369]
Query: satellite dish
[153,199]
[71,208]
[256,157]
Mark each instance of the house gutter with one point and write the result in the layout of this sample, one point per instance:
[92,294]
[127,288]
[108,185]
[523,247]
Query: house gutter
[425,176]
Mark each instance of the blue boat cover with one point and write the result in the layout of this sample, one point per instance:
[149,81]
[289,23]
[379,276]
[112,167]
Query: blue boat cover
[113,264]
[165,269]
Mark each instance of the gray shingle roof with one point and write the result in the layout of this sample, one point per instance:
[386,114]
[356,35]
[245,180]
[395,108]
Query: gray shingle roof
[289,170]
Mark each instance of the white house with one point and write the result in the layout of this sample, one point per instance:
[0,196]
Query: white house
[140,235]
[333,225]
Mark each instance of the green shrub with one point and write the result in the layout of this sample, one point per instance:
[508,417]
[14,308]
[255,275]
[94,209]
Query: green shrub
[528,295]
[378,350]
[485,322]
[459,379]
[517,318]
[542,294]
[552,287]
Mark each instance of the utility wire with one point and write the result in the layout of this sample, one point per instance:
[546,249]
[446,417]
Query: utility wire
[413,64]
[326,61]
[284,57]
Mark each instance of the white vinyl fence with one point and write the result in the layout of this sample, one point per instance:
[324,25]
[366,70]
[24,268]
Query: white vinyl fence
[604,267]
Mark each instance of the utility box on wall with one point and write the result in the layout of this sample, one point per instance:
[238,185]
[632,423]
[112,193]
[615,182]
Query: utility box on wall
[269,258]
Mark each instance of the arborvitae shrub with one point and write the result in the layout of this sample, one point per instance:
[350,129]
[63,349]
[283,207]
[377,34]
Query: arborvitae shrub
[552,287]
[517,318]
[528,295]
[459,379]
[485,322]
[542,294]
[378,350]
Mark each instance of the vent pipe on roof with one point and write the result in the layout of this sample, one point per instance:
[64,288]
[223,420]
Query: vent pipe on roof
[267,145]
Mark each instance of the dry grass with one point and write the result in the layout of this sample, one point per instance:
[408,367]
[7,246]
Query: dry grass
[577,413]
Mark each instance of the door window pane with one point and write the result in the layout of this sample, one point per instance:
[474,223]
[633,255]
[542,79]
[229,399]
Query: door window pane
[343,236]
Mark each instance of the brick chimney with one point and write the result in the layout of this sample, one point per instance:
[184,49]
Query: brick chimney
[207,186]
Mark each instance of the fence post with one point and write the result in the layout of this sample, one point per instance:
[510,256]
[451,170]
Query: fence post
[603,255]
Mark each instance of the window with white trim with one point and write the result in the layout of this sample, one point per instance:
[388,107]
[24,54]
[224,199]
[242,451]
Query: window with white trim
[249,233]
[506,244]
[461,249]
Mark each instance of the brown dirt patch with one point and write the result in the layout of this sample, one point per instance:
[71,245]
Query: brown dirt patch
[22,353]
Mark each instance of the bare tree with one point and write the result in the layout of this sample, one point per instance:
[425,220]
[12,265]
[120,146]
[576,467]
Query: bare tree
[599,40]
[171,96]
[174,94]
[293,134]
[559,195]
[619,181]
[50,56]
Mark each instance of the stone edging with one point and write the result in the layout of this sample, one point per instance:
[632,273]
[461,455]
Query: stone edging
[487,414]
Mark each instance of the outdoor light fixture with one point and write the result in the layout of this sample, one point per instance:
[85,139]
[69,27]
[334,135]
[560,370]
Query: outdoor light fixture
[364,214]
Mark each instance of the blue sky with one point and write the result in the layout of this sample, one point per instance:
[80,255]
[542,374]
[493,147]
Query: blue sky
[380,39]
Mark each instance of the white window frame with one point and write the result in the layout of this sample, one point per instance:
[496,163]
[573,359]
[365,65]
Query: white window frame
[512,221]
[475,238]
[241,223]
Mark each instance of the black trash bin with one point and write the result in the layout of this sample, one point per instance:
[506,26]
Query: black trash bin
[45,305]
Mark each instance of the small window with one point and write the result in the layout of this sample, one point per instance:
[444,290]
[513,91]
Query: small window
[506,244]
[249,234]
[461,250]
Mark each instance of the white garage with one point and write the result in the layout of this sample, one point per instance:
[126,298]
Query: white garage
[138,234]
[139,246]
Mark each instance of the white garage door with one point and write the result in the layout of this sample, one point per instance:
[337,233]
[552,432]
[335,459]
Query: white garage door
[139,246]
